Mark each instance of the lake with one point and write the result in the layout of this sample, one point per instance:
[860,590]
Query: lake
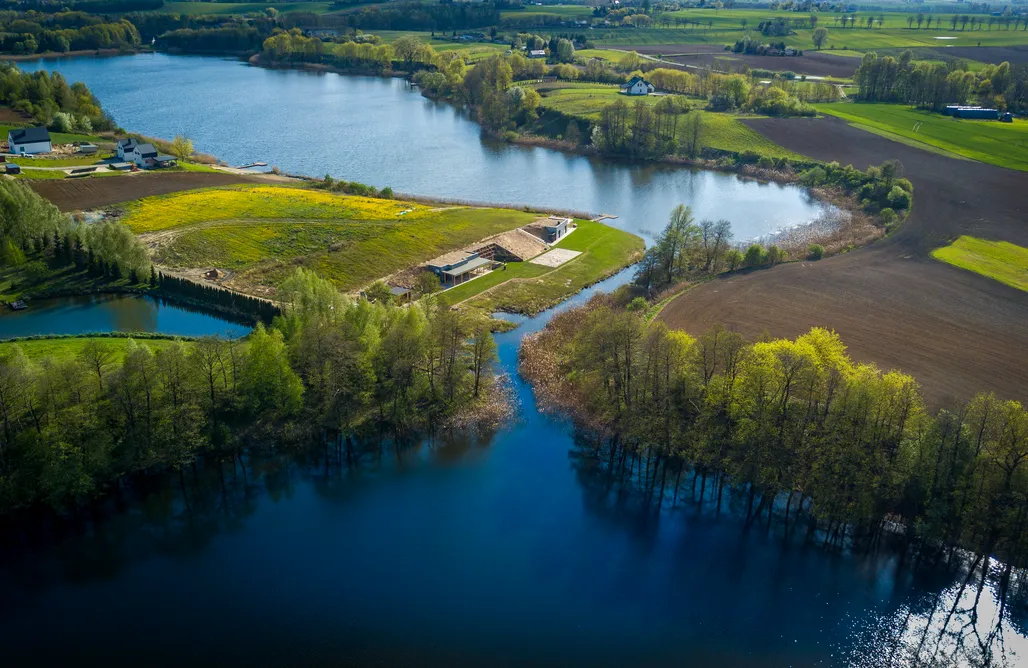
[505,550]
[377,131]
[113,313]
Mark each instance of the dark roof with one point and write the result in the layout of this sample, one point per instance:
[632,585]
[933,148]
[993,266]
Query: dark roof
[146,150]
[28,135]
[398,291]
[128,142]
[465,267]
[635,80]
[165,158]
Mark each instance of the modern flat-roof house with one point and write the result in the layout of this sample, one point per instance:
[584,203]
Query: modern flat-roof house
[637,86]
[549,229]
[26,141]
[457,267]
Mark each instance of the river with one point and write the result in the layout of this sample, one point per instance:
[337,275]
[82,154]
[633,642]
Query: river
[501,551]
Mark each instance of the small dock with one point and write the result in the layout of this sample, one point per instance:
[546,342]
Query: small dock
[253,164]
[604,216]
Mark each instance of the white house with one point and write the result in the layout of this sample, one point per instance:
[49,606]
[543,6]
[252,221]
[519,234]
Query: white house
[25,141]
[145,155]
[126,147]
[637,86]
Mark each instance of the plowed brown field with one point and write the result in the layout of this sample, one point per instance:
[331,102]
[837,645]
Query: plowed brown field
[93,193]
[955,331]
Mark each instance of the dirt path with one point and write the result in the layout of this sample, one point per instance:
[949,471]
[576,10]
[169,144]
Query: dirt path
[955,331]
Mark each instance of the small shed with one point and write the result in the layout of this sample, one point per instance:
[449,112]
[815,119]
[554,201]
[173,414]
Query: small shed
[213,275]
[537,53]
[88,149]
[400,294]
[13,168]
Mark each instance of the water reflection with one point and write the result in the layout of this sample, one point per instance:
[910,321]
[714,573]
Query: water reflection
[114,313]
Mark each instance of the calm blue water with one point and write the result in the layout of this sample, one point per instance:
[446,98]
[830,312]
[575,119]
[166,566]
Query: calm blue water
[378,132]
[119,313]
[508,551]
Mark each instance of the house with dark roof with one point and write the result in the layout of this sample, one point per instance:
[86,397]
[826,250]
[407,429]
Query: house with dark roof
[126,147]
[637,86]
[26,141]
[146,155]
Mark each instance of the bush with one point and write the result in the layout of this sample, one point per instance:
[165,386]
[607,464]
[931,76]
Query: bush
[815,252]
[36,271]
[775,255]
[386,193]
[898,198]
[638,304]
[888,217]
[755,256]
[733,259]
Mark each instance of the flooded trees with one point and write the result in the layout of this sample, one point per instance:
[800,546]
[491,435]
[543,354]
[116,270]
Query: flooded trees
[796,426]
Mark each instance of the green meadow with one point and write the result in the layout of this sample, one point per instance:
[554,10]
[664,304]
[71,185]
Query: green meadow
[720,130]
[66,347]
[1003,144]
[999,260]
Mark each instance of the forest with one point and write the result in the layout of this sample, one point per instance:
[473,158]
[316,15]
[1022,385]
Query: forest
[796,428]
[33,32]
[932,85]
[74,424]
[43,95]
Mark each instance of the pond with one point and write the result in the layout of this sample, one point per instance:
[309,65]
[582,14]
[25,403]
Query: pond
[113,313]
[504,550]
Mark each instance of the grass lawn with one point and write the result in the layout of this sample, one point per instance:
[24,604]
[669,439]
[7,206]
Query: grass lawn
[999,260]
[605,250]
[82,161]
[262,232]
[1003,144]
[65,347]
[720,131]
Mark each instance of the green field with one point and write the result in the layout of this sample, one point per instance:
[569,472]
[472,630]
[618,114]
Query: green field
[1003,144]
[261,233]
[228,8]
[56,137]
[605,250]
[720,131]
[999,260]
[564,11]
[71,346]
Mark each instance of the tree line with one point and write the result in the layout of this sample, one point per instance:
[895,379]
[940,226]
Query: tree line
[795,428]
[43,95]
[33,32]
[74,423]
[931,85]
[211,295]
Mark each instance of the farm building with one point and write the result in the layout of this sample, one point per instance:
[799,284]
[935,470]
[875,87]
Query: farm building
[26,141]
[13,168]
[88,149]
[1007,118]
[537,53]
[637,86]
[976,113]
[549,229]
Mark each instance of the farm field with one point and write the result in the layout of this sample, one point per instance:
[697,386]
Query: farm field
[720,131]
[1003,144]
[892,303]
[566,11]
[999,260]
[261,233]
[65,347]
[95,193]
[605,250]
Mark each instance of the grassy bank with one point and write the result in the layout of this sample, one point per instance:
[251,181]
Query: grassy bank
[70,347]
[261,233]
[604,251]
[721,131]
[999,260]
[1002,144]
